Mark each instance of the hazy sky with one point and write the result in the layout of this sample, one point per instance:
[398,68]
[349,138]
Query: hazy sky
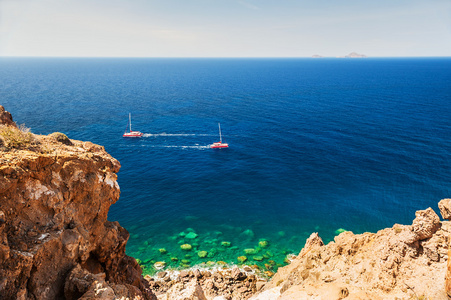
[224,28]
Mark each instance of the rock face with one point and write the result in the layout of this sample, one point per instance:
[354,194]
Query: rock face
[6,118]
[402,262]
[202,285]
[55,240]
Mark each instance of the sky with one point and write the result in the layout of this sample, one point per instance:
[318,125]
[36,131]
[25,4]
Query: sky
[224,28]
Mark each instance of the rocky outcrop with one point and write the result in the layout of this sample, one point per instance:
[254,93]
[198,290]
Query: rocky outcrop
[55,240]
[6,118]
[402,262]
[445,210]
[219,284]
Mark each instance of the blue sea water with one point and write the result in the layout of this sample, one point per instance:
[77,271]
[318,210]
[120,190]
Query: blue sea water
[315,145]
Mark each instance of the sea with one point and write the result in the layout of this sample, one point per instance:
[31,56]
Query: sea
[315,145]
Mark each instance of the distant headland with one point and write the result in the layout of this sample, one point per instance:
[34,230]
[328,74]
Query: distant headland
[350,55]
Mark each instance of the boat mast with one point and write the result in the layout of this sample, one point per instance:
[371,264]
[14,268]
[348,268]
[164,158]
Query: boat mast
[220,137]
[130,120]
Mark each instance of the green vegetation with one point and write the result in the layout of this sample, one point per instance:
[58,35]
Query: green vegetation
[62,138]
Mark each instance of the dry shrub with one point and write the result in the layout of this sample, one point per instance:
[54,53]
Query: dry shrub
[17,138]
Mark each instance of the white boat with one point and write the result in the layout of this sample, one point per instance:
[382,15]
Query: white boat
[131,133]
[219,144]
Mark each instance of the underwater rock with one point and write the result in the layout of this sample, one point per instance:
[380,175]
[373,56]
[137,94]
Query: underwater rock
[174,259]
[186,247]
[226,244]
[186,261]
[281,233]
[263,243]
[242,258]
[182,234]
[202,254]
[159,265]
[248,234]
[191,218]
[162,250]
[340,230]
[191,235]
[250,251]
[258,258]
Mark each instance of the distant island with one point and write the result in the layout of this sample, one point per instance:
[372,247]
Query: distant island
[355,55]
[350,55]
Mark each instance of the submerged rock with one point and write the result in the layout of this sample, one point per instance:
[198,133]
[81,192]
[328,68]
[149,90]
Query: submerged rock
[159,265]
[202,254]
[340,230]
[263,243]
[226,244]
[248,233]
[186,247]
[191,235]
[250,251]
[242,258]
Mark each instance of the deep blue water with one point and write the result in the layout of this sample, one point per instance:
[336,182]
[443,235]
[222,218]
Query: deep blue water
[315,144]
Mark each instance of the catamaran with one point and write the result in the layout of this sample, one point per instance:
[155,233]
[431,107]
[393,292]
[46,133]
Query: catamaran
[219,144]
[131,133]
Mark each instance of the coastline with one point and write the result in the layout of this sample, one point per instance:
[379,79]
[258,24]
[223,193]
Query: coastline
[56,241]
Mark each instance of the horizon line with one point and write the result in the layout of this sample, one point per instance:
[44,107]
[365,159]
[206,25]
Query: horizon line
[220,57]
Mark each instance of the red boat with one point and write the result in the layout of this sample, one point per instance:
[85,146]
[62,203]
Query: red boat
[219,144]
[131,133]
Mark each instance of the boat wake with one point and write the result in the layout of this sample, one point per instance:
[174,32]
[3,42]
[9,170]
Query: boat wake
[173,134]
[184,147]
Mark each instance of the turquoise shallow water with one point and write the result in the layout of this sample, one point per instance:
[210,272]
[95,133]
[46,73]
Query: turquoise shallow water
[315,145]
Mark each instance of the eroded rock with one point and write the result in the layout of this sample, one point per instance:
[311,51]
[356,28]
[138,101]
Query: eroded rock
[53,221]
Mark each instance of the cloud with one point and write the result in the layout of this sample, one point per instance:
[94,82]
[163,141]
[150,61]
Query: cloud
[248,5]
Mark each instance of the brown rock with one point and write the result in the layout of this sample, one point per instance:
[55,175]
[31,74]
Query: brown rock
[445,208]
[312,242]
[192,291]
[426,223]
[57,223]
[6,118]
[237,274]
[371,265]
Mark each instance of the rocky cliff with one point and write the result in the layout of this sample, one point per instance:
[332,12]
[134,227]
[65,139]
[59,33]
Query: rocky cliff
[55,240]
[402,262]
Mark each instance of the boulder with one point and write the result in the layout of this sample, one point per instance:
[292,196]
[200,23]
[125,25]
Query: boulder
[6,118]
[425,224]
[445,208]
